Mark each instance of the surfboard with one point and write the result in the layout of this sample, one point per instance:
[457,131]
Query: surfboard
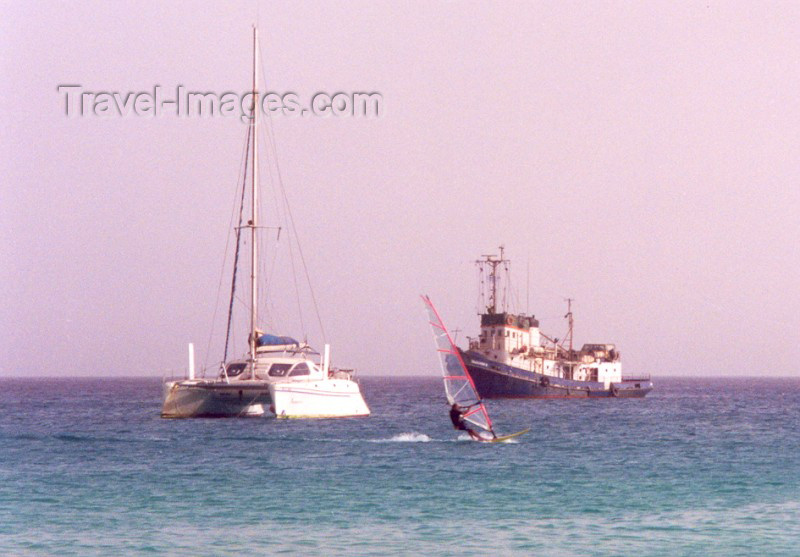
[509,436]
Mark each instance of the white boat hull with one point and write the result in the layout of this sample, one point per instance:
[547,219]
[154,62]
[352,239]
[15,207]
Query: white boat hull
[326,398]
[215,399]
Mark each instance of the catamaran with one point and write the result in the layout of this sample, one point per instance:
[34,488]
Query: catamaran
[459,388]
[279,374]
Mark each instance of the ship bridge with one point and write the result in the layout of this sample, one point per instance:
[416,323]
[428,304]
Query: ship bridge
[507,333]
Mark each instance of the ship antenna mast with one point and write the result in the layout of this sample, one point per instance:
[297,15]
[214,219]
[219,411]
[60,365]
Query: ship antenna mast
[570,322]
[253,218]
[492,262]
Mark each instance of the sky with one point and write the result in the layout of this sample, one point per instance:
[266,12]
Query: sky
[641,158]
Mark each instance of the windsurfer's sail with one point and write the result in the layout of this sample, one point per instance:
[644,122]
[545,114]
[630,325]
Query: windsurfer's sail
[458,384]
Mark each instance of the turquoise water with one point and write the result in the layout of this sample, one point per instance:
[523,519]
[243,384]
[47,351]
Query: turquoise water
[700,467]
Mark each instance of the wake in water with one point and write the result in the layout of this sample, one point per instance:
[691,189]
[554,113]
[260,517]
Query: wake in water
[406,438]
[466,437]
[509,442]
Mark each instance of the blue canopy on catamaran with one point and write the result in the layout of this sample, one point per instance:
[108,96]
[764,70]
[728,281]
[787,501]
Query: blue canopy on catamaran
[274,340]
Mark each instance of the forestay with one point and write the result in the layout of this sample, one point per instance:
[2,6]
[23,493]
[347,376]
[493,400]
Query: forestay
[458,384]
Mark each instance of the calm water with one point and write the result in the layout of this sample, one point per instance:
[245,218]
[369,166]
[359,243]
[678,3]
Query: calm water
[700,467]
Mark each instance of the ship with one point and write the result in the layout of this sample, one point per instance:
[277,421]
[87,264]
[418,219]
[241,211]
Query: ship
[513,358]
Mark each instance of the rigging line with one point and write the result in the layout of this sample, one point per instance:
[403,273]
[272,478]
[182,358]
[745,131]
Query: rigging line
[296,289]
[280,220]
[245,304]
[271,135]
[479,307]
[267,265]
[242,164]
[265,285]
[269,306]
[294,231]
[261,286]
[279,210]
[508,293]
[236,253]
[308,280]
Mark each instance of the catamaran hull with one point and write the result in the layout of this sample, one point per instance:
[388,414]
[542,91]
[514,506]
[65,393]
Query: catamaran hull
[196,399]
[495,380]
[335,398]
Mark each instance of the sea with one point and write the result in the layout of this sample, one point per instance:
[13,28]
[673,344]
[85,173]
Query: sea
[701,467]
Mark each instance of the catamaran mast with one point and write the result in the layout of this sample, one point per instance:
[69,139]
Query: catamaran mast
[254,213]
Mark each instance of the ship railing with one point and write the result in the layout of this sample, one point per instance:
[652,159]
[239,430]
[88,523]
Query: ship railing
[636,378]
[341,373]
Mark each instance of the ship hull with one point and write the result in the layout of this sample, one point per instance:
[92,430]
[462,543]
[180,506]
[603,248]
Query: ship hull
[495,380]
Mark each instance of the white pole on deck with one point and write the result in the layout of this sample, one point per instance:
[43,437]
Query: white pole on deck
[191,360]
[326,360]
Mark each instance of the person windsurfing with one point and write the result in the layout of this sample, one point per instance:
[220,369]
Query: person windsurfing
[457,417]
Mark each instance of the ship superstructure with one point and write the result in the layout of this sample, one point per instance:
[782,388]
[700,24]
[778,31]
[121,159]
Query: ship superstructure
[512,357]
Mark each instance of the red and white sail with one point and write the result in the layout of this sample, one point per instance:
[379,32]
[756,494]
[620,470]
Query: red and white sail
[458,384]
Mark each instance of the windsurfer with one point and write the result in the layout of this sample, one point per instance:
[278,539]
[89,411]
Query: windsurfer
[457,417]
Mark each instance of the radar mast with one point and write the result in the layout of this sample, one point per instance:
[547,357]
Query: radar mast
[491,263]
